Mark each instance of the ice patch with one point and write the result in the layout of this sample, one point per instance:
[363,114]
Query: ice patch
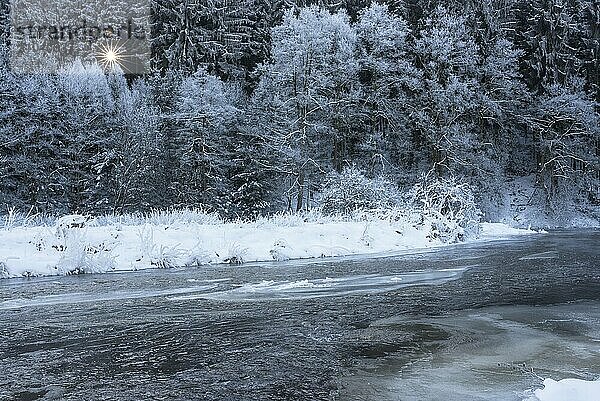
[80,297]
[568,390]
[491,353]
[329,287]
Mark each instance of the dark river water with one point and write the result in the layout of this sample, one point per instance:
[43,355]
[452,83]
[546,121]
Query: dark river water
[484,321]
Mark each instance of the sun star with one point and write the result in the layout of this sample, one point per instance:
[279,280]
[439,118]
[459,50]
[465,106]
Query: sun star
[111,56]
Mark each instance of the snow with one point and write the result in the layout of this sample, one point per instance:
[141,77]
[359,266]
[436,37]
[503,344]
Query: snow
[524,205]
[502,230]
[568,390]
[78,245]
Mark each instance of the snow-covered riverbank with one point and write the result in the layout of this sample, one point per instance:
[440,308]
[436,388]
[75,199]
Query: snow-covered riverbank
[92,246]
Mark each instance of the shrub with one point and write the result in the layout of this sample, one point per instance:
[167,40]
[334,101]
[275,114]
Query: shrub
[236,254]
[351,191]
[78,257]
[448,207]
[161,217]
[161,256]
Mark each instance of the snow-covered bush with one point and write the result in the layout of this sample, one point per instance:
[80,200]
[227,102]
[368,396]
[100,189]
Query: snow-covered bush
[78,257]
[13,218]
[197,256]
[162,217]
[236,254]
[351,190]
[447,208]
[280,250]
[161,256]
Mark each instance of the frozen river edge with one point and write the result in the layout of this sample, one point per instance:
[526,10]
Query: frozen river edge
[71,248]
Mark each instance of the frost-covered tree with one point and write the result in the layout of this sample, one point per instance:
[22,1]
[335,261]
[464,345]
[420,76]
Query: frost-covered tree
[566,130]
[550,32]
[205,118]
[35,163]
[387,76]
[588,50]
[305,93]
[471,106]
[502,146]
[65,141]
[449,60]
[90,131]
[227,39]
[501,111]
[138,176]
[252,183]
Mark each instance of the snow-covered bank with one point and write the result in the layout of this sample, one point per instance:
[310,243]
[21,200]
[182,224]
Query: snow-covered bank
[76,245]
[521,203]
[568,389]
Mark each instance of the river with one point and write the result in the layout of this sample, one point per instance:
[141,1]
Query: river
[481,321]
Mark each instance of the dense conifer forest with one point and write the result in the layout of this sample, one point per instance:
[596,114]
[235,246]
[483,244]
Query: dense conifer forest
[258,106]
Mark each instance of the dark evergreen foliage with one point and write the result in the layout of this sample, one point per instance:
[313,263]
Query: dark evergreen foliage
[252,106]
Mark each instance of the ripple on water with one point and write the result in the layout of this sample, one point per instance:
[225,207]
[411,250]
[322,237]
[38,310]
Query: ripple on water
[541,255]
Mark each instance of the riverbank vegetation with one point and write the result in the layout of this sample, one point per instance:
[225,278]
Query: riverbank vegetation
[76,244]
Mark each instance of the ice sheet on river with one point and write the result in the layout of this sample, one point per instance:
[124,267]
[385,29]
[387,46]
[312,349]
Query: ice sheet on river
[329,287]
[498,353]
[82,297]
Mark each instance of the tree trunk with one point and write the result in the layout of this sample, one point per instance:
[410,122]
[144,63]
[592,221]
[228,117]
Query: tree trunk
[300,195]
[339,151]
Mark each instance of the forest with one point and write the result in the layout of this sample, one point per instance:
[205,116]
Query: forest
[253,107]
